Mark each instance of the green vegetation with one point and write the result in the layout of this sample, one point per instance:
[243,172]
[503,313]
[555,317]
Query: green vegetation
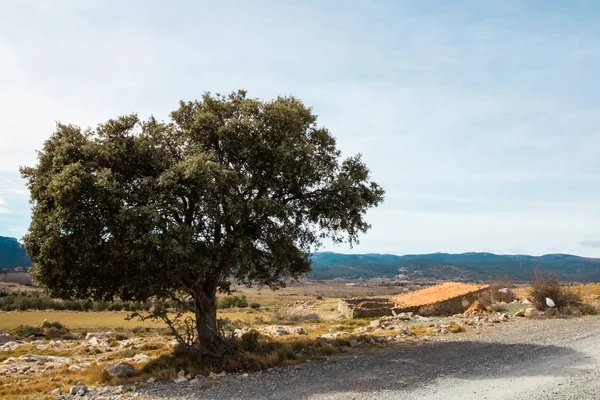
[231,188]
[234,302]
[37,301]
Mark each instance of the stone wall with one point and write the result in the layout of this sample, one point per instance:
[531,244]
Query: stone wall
[365,307]
[455,305]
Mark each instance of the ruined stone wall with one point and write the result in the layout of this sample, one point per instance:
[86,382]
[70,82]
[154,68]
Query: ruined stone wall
[365,307]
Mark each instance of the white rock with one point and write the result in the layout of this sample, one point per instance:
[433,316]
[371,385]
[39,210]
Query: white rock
[180,379]
[181,373]
[141,358]
[75,368]
[151,380]
[94,341]
[56,392]
[550,303]
[374,323]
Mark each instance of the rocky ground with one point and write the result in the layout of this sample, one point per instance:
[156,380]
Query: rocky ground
[528,359]
[419,357]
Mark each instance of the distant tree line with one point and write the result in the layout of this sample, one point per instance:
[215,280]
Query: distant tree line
[23,301]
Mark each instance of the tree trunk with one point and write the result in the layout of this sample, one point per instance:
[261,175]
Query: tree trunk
[206,317]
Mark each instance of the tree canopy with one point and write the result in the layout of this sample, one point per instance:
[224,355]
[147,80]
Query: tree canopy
[231,188]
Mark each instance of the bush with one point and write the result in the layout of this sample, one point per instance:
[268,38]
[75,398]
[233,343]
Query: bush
[232,302]
[255,305]
[549,286]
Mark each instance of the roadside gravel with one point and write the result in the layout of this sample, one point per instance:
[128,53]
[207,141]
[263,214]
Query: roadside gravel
[524,359]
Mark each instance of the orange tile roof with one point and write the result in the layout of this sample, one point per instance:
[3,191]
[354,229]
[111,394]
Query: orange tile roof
[436,294]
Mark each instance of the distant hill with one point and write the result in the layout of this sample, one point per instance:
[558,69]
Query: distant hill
[435,266]
[12,255]
[443,266]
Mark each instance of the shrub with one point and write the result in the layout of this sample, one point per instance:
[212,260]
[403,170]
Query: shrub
[255,305]
[548,286]
[232,302]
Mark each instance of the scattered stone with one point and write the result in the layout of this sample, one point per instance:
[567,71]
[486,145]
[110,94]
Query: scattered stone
[213,375]
[121,370]
[526,301]
[56,392]
[477,309]
[181,373]
[8,346]
[550,303]
[354,343]
[75,368]
[281,330]
[151,380]
[374,323]
[180,379]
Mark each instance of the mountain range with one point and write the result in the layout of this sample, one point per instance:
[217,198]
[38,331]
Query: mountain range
[444,266]
[436,266]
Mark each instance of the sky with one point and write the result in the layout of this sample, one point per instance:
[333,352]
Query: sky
[480,119]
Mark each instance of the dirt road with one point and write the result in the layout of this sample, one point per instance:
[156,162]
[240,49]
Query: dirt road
[527,359]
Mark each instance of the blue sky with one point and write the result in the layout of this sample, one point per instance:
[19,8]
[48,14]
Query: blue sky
[481,119]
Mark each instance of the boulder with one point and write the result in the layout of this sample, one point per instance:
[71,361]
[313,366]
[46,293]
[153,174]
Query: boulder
[121,370]
[80,387]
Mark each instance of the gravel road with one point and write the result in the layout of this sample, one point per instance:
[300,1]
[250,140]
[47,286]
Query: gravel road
[524,359]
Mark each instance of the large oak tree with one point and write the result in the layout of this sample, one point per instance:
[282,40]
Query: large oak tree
[231,189]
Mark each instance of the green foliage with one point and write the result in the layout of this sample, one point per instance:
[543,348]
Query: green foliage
[50,330]
[233,302]
[23,301]
[230,187]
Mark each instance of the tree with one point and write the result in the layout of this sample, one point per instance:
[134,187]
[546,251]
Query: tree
[232,188]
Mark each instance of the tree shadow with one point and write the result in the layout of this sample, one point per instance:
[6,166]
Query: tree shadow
[400,368]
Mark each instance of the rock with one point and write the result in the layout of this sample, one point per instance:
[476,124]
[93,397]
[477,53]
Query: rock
[181,373]
[504,317]
[45,324]
[281,330]
[531,312]
[550,303]
[213,375]
[4,338]
[10,346]
[180,379]
[141,358]
[94,341]
[526,301]
[245,375]
[56,392]
[374,323]
[75,368]
[151,380]
[520,313]
[121,370]
[354,343]
[75,390]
